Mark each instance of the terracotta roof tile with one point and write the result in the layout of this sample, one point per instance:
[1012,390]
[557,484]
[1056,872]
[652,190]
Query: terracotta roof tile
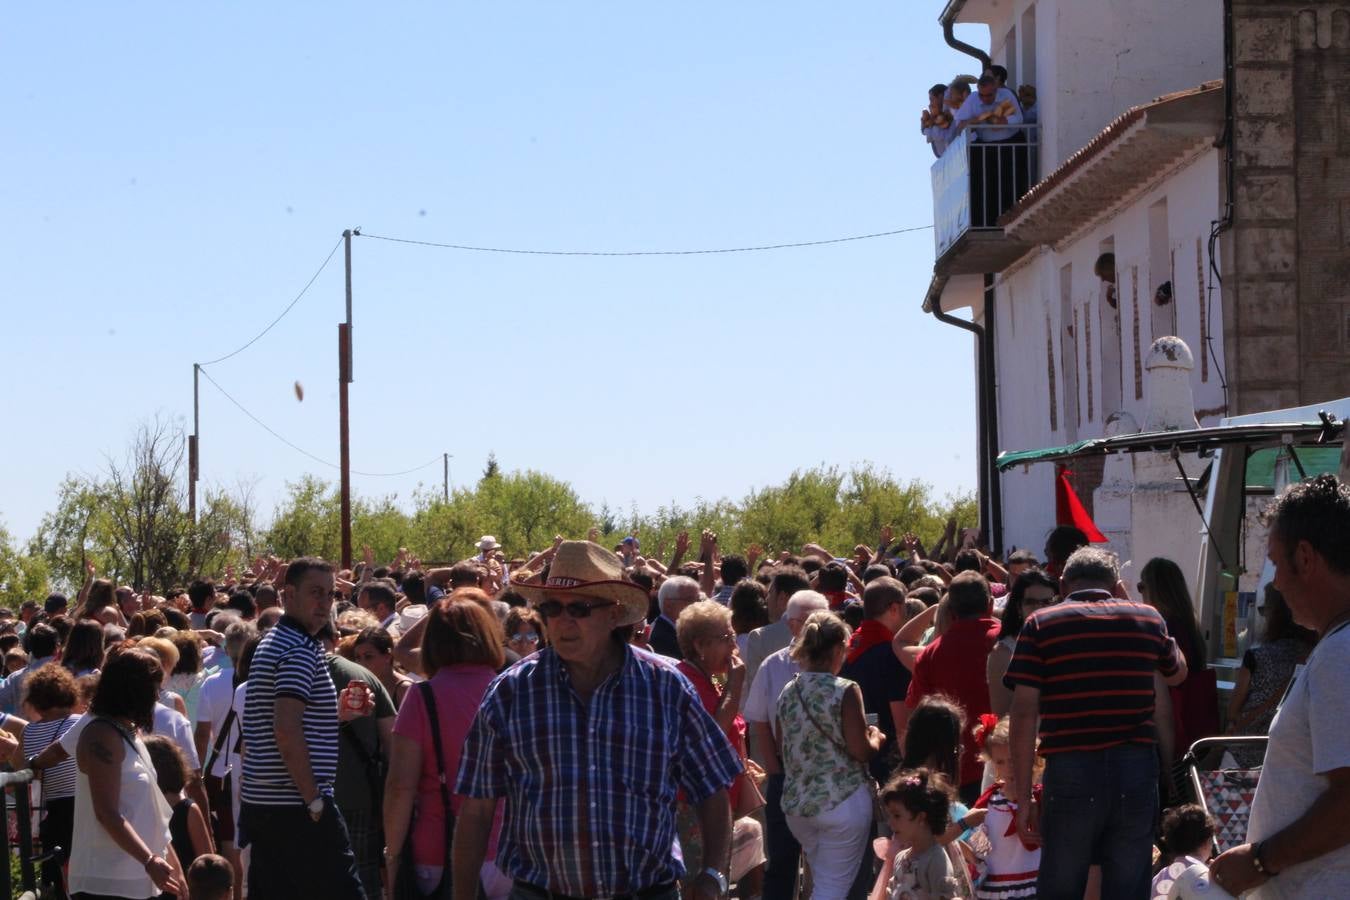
[1097,146]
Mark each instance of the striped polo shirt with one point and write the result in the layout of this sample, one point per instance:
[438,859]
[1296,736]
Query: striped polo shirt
[289,662]
[1092,658]
[58,782]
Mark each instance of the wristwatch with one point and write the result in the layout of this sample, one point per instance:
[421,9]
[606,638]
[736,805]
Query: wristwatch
[315,808]
[722,886]
[1256,860]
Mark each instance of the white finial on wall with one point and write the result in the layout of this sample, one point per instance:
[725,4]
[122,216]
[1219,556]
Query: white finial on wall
[1171,403]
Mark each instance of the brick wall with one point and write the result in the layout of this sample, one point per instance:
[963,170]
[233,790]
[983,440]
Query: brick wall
[1287,261]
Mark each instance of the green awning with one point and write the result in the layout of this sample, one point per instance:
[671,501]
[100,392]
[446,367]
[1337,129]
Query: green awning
[1192,440]
[1008,459]
[1315,460]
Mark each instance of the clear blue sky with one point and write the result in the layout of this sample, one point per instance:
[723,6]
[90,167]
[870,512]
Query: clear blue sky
[175,173]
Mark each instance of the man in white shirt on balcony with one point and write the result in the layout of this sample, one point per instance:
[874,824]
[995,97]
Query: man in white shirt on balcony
[980,107]
[998,174]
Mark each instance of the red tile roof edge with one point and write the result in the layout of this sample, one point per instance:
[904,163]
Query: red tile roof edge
[1095,147]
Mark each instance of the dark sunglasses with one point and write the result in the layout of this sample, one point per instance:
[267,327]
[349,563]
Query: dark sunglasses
[551,609]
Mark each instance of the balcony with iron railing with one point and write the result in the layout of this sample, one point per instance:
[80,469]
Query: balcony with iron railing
[975,182]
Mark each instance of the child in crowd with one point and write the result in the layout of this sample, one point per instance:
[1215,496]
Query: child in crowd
[85,686]
[210,877]
[187,828]
[918,805]
[1187,841]
[1009,867]
[15,660]
[932,742]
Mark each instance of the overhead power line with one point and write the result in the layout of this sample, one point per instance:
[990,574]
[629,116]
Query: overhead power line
[327,259]
[302,450]
[702,252]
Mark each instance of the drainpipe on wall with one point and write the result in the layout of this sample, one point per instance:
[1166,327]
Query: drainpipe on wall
[989,387]
[948,20]
[986,386]
[984,439]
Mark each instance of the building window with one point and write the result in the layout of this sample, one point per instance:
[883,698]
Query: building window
[1162,292]
[1068,352]
[1108,328]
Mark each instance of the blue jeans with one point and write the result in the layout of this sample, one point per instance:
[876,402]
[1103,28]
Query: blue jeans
[1099,807]
[780,846]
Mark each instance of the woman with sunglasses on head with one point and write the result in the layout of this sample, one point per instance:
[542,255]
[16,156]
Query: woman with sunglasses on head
[462,649]
[524,631]
[1032,590]
[708,643]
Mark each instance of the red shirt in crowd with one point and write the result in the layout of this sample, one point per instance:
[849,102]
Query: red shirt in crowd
[954,665]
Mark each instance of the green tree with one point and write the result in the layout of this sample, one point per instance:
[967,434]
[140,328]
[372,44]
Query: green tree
[524,510]
[23,575]
[307,522]
[79,529]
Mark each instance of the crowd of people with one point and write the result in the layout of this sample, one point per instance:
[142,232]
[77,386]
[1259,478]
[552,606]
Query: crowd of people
[889,724]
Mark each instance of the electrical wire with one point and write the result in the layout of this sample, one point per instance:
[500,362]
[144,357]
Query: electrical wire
[302,450]
[752,249]
[327,259]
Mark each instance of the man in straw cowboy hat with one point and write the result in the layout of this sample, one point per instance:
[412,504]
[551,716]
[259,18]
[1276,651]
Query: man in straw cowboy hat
[590,741]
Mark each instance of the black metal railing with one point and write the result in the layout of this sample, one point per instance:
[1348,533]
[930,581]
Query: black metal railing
[15,788]
[978,179]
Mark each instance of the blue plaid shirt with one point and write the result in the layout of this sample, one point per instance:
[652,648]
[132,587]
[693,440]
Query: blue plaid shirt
[590,789]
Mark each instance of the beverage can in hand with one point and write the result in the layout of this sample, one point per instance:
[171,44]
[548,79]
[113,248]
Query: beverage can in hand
[358,692]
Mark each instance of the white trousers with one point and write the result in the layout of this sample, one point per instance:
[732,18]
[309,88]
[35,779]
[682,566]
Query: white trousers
[834,843]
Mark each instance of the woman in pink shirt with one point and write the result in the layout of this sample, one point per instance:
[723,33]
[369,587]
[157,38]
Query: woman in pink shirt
[462,649]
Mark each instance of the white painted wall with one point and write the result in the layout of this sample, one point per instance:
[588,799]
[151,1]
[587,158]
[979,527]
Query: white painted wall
[1028,295]
[1094,59]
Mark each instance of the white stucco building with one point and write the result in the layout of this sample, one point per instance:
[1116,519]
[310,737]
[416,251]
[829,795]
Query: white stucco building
[1125,166]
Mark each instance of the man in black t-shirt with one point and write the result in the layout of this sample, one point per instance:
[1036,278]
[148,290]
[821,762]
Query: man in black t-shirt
[363,759]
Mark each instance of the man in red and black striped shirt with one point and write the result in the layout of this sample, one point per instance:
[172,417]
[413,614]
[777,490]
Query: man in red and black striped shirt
[1085,667]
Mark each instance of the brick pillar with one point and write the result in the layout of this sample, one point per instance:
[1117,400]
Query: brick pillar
[1287,265]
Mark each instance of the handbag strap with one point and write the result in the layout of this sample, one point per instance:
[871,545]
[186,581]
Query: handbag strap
[806,709]
[220,741]
[429,701]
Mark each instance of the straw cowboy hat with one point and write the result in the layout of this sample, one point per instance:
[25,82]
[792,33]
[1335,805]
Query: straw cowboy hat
[584,569]
[488,542]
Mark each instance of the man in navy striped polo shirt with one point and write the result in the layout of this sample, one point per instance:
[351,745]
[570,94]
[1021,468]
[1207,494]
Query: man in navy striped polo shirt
[299,842]
[1086,668]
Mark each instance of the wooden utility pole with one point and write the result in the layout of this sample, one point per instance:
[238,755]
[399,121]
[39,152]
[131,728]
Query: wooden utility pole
[193,462]
[344,379]
[445,476]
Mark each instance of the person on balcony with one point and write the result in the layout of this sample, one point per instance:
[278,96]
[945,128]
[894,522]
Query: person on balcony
[935,122]
[993,114]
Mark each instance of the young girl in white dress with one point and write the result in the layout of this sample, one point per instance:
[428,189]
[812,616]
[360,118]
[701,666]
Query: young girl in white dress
[1008,867]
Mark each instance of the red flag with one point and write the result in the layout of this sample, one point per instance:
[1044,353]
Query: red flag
[1069,510]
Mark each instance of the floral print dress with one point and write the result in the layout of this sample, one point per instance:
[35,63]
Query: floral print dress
[818,772]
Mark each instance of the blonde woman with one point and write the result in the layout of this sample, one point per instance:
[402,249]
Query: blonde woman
[825,743]
[708,643]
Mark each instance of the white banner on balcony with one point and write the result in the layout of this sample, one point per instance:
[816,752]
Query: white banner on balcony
[951,194]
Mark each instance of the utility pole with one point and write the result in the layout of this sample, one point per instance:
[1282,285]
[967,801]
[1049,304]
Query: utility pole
[193,461]
[344,379]
[445,477]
